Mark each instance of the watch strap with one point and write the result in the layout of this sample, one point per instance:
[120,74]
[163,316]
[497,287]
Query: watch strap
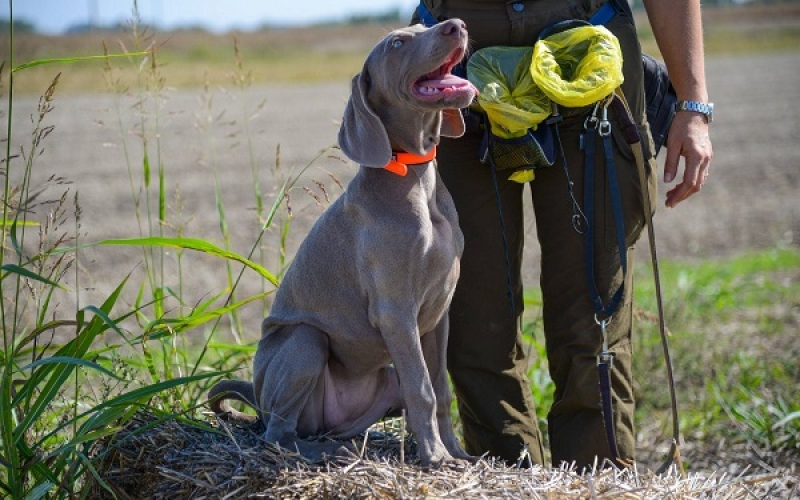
[703,108]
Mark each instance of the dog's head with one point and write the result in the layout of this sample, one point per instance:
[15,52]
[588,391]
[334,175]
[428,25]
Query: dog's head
[405,97]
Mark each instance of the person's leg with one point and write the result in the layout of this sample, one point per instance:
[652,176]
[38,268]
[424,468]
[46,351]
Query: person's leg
[486,355]
[572,336]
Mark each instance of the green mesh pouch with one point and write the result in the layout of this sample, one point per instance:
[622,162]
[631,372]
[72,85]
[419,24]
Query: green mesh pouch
[512,154]
[535,149]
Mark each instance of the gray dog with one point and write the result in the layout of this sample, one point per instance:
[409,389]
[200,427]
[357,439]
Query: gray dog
[358,329]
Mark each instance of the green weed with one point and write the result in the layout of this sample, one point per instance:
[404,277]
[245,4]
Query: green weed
[732,324]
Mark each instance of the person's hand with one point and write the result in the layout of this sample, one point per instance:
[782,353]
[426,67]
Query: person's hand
[687,138]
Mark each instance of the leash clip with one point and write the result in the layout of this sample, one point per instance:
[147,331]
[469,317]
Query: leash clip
[604,127]
[591,121]
[605,356]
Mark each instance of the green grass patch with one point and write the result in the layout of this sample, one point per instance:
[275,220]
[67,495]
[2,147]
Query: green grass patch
[733,325]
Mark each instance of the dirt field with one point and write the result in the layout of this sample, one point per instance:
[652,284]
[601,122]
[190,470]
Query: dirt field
[749,202]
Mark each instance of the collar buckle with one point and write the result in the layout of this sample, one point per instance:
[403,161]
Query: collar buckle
[400,161]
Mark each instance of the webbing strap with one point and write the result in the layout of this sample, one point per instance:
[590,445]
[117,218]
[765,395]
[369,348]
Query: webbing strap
[602,310]
[604,14]
[425,15]
[604,371]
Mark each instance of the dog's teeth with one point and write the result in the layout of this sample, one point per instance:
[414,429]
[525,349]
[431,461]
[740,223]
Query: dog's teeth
[429,90]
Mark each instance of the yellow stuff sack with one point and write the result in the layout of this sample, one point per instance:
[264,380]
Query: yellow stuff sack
[577,67]
[508,95]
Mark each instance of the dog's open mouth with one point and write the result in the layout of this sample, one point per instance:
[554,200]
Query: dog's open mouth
[441,83]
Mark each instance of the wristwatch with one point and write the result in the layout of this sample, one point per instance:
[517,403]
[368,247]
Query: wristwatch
[703,108]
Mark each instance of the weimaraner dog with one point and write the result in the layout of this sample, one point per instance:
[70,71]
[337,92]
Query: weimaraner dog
[358,328]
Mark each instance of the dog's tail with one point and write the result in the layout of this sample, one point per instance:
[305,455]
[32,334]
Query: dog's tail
[238,390]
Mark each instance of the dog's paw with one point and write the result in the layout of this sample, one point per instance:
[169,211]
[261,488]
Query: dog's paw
[436,456]
[319,451]
[466,457]
[448,463]
[456,451]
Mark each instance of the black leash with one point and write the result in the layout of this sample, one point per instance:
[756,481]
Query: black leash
[594,126]
[506,252]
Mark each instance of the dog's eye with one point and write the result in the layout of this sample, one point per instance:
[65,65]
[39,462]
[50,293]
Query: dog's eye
[397,43]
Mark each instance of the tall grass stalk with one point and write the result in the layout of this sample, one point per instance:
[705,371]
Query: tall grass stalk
[208,121]
[71,378]
[242,80]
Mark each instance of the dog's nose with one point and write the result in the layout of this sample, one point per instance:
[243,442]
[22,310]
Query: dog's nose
[453,27]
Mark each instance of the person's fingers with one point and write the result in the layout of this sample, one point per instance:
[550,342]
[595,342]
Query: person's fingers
[697,162]
[671,161]
[688,139]
[690,184]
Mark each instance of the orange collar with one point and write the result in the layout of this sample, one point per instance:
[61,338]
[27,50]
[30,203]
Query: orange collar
[401,160]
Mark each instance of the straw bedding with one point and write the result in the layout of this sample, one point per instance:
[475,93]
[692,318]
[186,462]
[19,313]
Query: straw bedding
[174,459]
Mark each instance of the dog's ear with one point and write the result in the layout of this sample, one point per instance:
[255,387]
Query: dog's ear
[362,136]
[452,123]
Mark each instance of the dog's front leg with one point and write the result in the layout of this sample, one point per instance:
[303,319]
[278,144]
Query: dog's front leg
[403,342]
[434,348]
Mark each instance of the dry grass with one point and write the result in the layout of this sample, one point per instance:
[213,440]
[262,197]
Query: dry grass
[192,58]
[177,460]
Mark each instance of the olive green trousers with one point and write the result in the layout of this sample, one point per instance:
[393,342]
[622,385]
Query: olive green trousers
[486,355]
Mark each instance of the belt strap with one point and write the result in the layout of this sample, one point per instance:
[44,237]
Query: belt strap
[604,366]
[425,15]
[604,14]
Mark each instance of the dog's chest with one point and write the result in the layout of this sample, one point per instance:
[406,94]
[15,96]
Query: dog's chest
[439,261]
[378,249]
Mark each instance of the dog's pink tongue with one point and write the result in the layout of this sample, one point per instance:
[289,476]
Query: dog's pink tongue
[446,84]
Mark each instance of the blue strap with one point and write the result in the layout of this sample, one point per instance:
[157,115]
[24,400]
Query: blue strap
[616,206]
[588,210]
[604,370]
[425,15]
[604,14]
[604,310]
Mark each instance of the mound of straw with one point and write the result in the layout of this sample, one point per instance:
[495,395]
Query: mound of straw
[172,459]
